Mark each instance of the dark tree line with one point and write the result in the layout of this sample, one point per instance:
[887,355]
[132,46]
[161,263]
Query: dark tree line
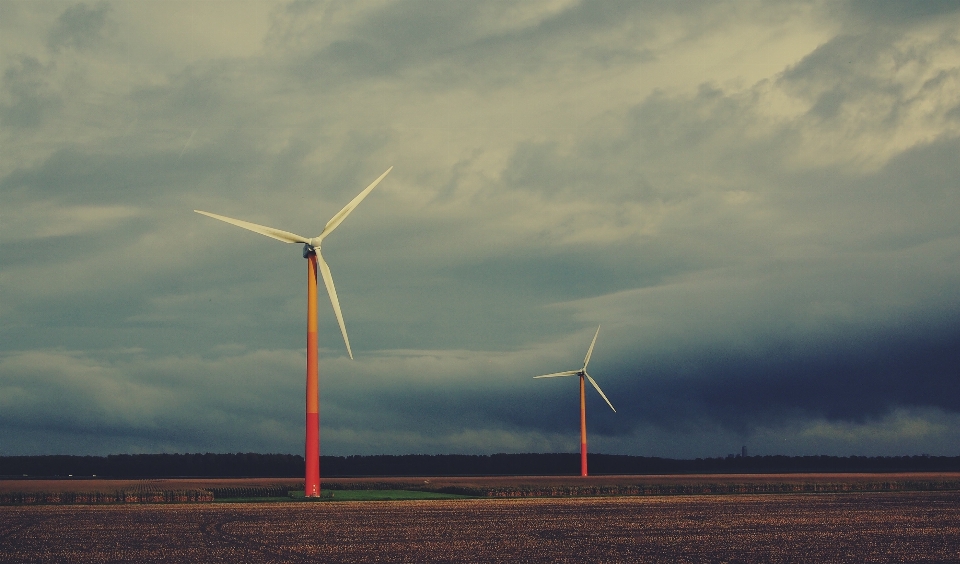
[154,465]
[287,465]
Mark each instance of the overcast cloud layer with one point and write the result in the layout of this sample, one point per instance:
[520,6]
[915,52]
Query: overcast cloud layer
[757,200]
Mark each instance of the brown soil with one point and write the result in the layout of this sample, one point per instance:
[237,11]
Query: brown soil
[871,527]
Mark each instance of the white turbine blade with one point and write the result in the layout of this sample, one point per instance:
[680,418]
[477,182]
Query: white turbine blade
[328,281]
[586,359]
[278,234]
[595,385]
[342,214]
[557,374]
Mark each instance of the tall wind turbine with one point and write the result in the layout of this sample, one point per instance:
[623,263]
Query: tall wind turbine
[311,252]
[582,373]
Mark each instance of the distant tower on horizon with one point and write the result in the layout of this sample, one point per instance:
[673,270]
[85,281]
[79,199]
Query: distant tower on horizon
[743,451]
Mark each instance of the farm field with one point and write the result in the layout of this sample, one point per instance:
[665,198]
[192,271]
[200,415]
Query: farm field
[522,486]
[86,491]
[857,527]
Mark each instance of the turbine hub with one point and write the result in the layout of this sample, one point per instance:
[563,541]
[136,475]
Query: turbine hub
[308,250]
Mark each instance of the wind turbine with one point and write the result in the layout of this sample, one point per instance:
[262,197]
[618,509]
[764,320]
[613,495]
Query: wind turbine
[311,252]
[582,373]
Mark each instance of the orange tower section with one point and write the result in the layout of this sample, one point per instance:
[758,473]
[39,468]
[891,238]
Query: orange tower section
[311,454]
[583,429]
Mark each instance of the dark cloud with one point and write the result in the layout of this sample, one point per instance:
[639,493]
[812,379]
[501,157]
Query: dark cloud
[760,216]
[542,167]
[193,95]
[855,379]
[843,70]
[897,13]
[32,98]
[79,27]
[74,175]
[465,36]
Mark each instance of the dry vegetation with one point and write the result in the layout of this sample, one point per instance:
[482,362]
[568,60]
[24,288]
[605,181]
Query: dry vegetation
[690,484]
[89,485]
[869,527]
[93,491]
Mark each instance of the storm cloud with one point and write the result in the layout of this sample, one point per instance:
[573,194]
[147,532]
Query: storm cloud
[756,202]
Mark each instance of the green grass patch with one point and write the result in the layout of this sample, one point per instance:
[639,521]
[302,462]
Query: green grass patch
[374,495]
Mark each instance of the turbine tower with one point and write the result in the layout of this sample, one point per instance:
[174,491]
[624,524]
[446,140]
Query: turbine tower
[311,252]
[582,373]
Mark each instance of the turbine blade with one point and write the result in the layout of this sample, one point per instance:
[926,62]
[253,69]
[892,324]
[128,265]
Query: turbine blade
[595,385]
[278,234]
[557,374]
[586,359]
[342,214]
[332,291]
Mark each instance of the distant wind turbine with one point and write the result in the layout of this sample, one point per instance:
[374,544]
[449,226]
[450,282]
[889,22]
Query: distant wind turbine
[582,373]
[311,252]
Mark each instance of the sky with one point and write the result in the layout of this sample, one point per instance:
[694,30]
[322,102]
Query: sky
[756,202]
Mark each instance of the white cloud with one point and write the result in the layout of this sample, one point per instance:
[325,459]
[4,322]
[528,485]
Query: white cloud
[47,219]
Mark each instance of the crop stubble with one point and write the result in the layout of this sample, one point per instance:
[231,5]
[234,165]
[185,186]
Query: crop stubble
[871,527]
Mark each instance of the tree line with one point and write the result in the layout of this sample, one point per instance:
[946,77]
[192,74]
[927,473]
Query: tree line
[532,464]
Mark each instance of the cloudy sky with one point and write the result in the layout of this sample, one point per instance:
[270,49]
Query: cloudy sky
[757,201]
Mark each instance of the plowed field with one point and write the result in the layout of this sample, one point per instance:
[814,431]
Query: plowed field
[860,527]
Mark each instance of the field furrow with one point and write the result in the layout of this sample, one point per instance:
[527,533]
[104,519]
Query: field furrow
[861,527]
